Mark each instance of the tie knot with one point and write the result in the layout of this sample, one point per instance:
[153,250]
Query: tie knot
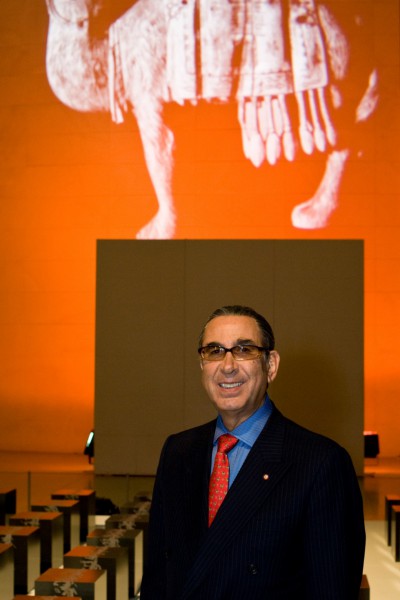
[226,442]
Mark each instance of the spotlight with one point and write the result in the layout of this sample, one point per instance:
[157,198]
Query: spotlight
[89,448]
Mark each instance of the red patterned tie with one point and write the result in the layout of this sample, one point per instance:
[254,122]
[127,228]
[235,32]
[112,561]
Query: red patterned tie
[219,481]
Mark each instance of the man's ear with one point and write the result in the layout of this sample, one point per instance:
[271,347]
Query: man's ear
[273,365]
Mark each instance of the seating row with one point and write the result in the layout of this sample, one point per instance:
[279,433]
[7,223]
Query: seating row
[35,544]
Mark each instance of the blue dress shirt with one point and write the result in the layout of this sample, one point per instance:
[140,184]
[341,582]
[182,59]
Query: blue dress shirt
[247,433]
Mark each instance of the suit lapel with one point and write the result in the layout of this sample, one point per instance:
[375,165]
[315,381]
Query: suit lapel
[195,493]
[257,478]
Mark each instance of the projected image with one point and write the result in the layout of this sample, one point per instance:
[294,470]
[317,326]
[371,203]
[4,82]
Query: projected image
[284,63]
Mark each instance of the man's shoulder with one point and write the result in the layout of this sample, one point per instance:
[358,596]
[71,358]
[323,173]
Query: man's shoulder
[198,431]
[311,442]
[303,432]
[198,434]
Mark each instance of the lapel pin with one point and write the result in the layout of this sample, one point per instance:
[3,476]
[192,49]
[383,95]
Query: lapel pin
[265,476]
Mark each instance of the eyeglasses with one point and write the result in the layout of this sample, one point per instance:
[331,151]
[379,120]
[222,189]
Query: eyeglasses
[239,352]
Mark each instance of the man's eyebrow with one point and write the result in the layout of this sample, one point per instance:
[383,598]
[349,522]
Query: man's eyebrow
[239,342]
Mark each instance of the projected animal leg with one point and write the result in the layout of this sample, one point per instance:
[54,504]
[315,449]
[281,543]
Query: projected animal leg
[158,143]
[316,212]
[267,134]
[122,68]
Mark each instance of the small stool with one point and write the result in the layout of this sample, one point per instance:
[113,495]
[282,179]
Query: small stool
[6,571]
[26,543]
[143,495]
[70,510]
[364,589]
[390,500]
[113,560]
[125,538]
[8,504]
[395,535]
[51,526]
[91,584]
[87,507]
[137,520]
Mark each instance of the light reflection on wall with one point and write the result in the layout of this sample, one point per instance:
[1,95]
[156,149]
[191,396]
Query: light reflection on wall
[264,125]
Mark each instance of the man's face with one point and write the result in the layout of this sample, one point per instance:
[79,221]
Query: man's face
[236,387]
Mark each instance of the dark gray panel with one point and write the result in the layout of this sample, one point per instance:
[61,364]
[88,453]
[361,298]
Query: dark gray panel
[319,325]
[139,352]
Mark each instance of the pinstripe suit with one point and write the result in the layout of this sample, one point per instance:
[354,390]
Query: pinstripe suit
[296,534]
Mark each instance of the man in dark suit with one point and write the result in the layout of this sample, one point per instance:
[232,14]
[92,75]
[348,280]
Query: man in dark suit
[291,525]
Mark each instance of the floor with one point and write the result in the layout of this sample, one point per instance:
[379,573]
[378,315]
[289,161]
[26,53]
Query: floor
[381,477]
[36,476]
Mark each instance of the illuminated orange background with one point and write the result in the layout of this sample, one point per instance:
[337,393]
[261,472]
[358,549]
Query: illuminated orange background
[68,179]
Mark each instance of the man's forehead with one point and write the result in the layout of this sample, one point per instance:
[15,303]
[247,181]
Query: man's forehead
[237,327]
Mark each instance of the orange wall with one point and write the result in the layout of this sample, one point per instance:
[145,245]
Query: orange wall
[68,179]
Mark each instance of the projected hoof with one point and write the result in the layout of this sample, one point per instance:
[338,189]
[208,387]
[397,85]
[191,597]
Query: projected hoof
[161,227]
[309,216]
[315,213]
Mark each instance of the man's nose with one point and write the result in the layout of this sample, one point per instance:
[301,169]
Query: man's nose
[228,362]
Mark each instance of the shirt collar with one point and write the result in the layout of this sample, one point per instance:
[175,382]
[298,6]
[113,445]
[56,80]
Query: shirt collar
[248,431]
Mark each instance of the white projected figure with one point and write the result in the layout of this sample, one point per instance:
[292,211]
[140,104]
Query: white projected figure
[262,53]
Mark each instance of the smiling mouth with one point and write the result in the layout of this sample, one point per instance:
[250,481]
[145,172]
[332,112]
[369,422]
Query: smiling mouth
[229,386]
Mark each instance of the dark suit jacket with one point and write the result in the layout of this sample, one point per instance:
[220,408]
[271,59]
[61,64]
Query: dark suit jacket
[296,534]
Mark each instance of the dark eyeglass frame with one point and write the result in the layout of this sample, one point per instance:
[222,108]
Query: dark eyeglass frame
[221,356]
